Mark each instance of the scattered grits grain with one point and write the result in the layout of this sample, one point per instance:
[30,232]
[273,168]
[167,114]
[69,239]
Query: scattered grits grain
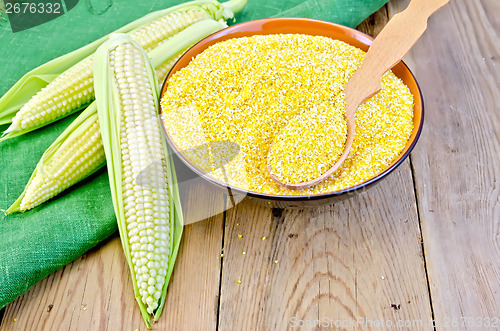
[245,90]
[310,143]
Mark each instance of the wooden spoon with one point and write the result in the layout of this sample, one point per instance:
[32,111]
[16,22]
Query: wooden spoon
[393,42]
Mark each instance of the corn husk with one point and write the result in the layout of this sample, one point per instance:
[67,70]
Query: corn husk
[109,111]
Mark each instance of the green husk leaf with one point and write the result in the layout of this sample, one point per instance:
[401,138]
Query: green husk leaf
[109,111]
[36,79]
[184,39]
[176,224]
[235,6]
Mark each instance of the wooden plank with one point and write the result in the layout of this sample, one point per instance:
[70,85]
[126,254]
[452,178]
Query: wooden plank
[376,22]
[359,260]
[350,248]
[95,291]
[456,161]
[345,262]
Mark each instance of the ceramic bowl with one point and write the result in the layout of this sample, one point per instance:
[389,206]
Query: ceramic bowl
[310,27]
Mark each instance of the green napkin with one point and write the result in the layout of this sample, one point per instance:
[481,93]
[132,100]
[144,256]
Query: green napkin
[41,241]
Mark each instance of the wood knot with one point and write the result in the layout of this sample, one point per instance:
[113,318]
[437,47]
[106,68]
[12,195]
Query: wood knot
[277,212]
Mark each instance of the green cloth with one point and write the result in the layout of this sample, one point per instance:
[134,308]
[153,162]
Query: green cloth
[41,241]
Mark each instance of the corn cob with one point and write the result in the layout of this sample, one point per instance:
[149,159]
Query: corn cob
[76,154]
[68,160]
[127,100]
[73,89]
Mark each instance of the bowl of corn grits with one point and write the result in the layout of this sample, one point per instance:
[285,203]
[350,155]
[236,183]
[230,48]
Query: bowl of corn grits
[232,92]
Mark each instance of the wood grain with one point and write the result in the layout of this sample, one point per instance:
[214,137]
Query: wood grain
[332,264]
[456,161]
[354,259]
[95,292]
[344,262]
[348,261]
[375,23]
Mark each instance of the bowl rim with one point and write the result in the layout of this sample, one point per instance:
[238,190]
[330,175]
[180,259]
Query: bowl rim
[291,198]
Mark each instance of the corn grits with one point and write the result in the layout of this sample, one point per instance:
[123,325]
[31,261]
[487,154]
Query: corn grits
[310,143]
[245,90]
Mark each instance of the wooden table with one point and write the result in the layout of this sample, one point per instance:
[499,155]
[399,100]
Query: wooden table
[422,245]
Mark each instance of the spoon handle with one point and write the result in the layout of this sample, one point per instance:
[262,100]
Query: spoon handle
[393,42]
